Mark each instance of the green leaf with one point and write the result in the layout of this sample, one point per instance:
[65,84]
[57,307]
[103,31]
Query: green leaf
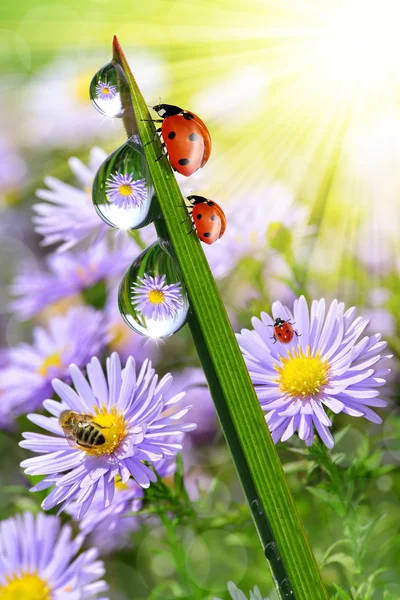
[331,499]
[341,433]
[279,237]
[238,409]
[341,594]
[343,559]
[179,483]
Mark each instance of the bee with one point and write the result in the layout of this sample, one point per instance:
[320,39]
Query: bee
[81,429]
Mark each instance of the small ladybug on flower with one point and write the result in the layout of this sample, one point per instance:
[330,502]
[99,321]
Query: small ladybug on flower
[283,331]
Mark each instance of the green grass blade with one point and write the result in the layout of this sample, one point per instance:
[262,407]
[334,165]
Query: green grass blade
[275,515]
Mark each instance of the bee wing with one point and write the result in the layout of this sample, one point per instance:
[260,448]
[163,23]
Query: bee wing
[70,439]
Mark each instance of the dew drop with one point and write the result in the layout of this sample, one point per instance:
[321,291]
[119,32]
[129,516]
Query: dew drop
[286,588]
[152,298]
[106,89]
[123,189]
[271,552]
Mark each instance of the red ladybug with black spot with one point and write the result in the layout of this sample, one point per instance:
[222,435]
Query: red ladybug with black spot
[208,218]
[283,331]
[185,137]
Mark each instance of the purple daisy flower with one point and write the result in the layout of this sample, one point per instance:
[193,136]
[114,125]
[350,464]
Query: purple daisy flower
[25,380]
[105,91]
[107,527]
[68,215]
[38,561]
[68,274]
[155,299]
[136,420]
[124,191]
[323,364]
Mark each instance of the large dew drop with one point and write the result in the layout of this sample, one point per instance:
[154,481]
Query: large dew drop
[152,298]
[107,89]
[123,189]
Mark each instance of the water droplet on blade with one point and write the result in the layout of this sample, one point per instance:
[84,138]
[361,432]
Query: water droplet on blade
[271,552]
[152,298]
[286,588]
[123,189]
[106,89]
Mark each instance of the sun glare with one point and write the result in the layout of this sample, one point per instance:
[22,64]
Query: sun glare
[356,43]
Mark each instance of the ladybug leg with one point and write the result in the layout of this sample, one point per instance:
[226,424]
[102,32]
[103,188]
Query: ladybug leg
[274,338]
[153,120]
[160,157]
[157,131]
[298,334]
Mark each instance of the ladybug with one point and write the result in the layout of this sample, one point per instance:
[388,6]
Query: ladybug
[208,218]
[185,137]
[283,331]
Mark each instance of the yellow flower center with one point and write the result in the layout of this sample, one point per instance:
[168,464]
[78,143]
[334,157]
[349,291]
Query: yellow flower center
[121,486]
[54,360]
[114,428]
[26,586]
[119,334]
[156,297]
[302,374]
[105,90]
[125,189]
[80,86]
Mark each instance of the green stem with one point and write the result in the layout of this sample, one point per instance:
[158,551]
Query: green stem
[176,549]
[279,527]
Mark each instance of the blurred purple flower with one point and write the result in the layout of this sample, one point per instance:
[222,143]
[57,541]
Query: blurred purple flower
[68,214]
[155,299]
[124,191]
[323,365]
[105,91]
[193,381]
[69,273]
[25,380]
[250,223]
[13,169]
[107,527]
[38,561]
[139,424]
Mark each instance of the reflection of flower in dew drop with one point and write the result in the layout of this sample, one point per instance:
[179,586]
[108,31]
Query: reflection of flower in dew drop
[105,91]
[155,299]
[124,191]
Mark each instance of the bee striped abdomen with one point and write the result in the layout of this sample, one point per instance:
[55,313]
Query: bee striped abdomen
[91,436]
